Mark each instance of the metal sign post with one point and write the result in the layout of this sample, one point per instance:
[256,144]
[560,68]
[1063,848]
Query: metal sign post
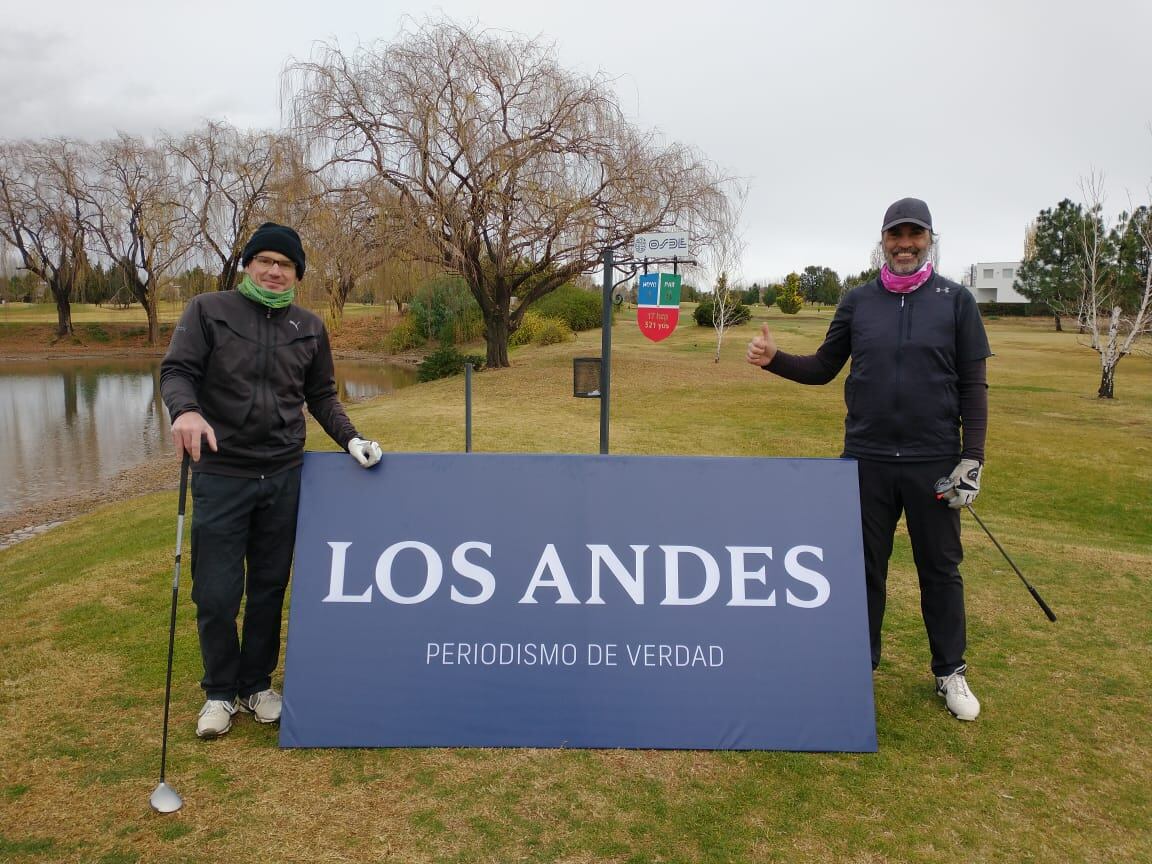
[606,349]
[661,248]
[467,407]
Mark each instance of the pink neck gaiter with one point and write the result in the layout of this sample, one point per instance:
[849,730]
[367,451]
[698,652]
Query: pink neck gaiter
[905,284]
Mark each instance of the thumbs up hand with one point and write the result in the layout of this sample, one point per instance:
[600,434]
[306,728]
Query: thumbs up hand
[762,348]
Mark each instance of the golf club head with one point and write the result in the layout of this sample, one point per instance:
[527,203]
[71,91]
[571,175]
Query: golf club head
[165,799]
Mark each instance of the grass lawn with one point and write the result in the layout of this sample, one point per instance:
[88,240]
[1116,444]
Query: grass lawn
[1056,769]
[84,313]
[30,328]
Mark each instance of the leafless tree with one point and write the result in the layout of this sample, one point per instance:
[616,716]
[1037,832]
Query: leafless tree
[517,172]
[403,271]
[41,217]
[229,176]
[139,217]
[347,230]
[721,261]
[1114,325]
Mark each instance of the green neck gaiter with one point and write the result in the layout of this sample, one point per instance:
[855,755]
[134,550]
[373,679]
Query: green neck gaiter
[271,299]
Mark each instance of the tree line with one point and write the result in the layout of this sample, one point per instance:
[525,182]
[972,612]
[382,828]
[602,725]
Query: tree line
[450,149]
[132,219]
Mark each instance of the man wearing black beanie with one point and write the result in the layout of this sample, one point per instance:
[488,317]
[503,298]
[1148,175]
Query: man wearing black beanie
[271,237]
[240,368]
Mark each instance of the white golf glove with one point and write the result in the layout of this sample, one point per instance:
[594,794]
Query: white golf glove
[965,479]
[367,453]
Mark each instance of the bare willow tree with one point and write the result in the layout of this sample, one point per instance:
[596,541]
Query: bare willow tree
[139,217]
[229,176]
[404,270]
[1114,319]
[348,234]
[517,172]
[41,217]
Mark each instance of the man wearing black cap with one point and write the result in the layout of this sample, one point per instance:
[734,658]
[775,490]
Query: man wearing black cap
[240,368]
[917,398]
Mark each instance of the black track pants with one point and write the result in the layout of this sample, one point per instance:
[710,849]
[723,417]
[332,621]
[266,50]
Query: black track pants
[888,489]
[243,536]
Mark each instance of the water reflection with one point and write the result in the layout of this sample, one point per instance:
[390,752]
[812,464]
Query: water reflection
[68,426]
[358,379]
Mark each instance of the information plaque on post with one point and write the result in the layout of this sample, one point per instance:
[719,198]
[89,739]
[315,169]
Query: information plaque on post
[490,600]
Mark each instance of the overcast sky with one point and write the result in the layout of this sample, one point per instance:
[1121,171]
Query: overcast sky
[829,110]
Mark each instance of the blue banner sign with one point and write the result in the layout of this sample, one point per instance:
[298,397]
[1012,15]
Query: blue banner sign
[498,600]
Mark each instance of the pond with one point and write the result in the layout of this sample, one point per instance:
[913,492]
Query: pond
[69,425]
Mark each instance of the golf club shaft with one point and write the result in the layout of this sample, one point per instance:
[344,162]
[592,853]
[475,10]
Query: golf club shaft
[1051,615]
[172,618]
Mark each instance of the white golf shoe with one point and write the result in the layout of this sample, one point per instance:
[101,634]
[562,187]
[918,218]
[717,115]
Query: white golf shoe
[263,706]
[959,699]
[215,718]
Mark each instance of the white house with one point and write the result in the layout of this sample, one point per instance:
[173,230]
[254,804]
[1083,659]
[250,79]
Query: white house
[991,282]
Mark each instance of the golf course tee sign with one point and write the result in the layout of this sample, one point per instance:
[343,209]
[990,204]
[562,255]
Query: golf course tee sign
[658,304]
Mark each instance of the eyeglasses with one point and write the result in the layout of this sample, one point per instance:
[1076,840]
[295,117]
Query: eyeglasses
[269,263]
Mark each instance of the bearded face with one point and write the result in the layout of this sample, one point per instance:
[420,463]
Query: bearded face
[906,248]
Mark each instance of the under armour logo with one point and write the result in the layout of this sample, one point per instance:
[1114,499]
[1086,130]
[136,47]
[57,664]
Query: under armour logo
[943,288]
[295,324]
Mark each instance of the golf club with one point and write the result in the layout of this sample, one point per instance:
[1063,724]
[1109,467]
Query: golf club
[1051,615]
[164,798]
[943,485]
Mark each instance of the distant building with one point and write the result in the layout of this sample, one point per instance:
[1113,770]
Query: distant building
[991,282]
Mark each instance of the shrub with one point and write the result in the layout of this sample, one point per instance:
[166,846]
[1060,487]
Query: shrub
[989,310]
[579,309]
[553,331]
[444,309]
[705,314]
[536,329]
[789,304]
[405,335]
[788,296]
[445,362]
[465,327]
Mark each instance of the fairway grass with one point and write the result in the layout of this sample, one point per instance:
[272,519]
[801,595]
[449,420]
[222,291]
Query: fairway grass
[1056,769]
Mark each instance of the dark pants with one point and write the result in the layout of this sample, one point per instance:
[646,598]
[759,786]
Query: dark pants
[886,490]
[239,521]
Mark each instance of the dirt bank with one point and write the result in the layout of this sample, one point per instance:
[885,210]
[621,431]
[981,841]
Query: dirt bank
[149,477]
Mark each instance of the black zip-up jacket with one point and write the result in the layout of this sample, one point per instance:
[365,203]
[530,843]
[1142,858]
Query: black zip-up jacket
[917,375]
[249,371]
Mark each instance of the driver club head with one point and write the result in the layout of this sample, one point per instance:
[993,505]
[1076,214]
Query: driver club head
[165,799]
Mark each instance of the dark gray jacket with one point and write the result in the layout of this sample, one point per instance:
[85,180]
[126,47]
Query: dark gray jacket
[917,371]
[249,371]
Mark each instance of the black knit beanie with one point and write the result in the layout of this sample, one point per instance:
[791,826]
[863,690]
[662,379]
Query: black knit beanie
[271,237]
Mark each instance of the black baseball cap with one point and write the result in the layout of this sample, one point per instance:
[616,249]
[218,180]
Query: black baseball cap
[911,210]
